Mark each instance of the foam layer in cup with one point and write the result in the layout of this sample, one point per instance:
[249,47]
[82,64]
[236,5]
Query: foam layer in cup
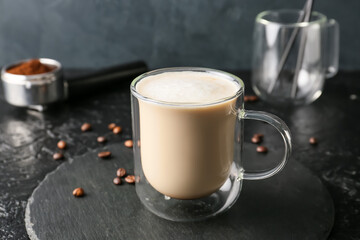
[186,87]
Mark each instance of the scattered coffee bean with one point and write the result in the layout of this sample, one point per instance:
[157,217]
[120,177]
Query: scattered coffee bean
[86,127]
[117,181]
[121,172]
[117,130]
[255,140]
[128,143]
[61,144]
[313,141]
[78,192]
[251,98]
[101,139]
[259,135]
[111,126]
[130,179]
[58,156]
[106,154]
[261,149]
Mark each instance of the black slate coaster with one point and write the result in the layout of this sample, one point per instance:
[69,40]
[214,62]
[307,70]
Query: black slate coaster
[292,205]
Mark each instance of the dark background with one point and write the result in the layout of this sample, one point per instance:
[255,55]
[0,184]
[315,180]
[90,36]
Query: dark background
[98,33]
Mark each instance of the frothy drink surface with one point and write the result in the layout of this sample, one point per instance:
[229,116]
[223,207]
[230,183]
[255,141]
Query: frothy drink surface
[187,87]
[187,151]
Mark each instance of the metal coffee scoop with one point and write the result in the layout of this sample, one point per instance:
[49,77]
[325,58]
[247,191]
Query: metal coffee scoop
[40,90]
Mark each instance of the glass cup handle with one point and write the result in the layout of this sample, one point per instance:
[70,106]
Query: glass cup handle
[284,132]
[332,48]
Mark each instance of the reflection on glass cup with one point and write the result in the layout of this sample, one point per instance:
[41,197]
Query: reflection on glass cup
[293,79]
[188,126]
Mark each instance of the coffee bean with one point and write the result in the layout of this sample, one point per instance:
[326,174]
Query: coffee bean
[121,172]
[117,130]
[259,135]
[101,139]
[251,98]
[111,126]
[261,149]
[86,127]
[61,144]
[255,139]
[130,179]
[106,154]
[313,141]
[128,143]
[78,192]
[58,156]
[117,181]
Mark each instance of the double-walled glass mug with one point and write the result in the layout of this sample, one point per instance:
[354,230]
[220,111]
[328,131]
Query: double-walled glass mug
[291,59]
[187,155]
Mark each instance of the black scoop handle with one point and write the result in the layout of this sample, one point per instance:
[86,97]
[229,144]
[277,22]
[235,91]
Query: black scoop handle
[105,78]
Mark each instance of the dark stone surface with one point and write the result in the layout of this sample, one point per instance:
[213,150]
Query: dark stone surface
[28,140]
[292,205]
[99,33]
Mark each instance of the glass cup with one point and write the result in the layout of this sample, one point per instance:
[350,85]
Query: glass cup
[291,59]
[188,156]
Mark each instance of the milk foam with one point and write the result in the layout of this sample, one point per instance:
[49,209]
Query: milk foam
[187,87]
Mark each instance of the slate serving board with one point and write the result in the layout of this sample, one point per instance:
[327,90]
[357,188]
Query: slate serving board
[292,205]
